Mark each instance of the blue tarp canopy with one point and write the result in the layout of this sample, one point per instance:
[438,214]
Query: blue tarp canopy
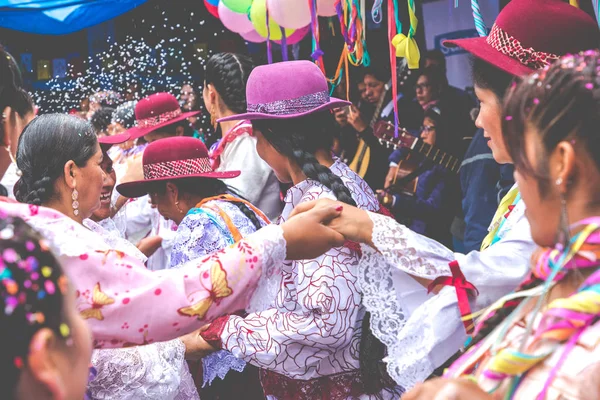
[59,17]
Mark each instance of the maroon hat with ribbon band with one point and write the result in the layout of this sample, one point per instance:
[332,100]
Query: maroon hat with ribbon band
[155,112]
[173,158]
[283,90]
[530,34]
[106,142]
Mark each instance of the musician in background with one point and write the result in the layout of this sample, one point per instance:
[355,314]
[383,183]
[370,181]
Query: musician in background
[379,105]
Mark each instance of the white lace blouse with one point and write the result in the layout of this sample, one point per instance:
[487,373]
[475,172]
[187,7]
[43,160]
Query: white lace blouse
[422,331]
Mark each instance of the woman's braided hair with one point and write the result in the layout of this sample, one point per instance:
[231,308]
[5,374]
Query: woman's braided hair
[228,73]
[45,146]
[298,139]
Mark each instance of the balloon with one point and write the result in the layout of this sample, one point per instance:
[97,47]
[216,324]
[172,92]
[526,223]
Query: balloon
[253,37]
[235,22]
[211,9]
[325,8]
[213,2]
[238,6]
[296,37]
[258,16]
[292,14]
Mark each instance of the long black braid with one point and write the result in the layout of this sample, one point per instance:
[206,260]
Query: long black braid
[228,73]
[299,139]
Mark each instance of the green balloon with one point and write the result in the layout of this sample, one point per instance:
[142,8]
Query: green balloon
[258,16]
[238,6]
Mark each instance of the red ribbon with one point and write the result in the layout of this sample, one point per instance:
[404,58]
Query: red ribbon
[461,285]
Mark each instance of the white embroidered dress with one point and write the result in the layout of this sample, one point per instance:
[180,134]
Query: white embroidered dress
[312,332]
[422,331]
[154,371]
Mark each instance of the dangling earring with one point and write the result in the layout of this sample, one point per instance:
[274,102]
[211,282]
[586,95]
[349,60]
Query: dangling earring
[178,209]
[213,118]
[75,204]
[563,234]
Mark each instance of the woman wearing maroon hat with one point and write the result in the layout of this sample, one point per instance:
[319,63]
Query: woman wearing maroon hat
[429,329]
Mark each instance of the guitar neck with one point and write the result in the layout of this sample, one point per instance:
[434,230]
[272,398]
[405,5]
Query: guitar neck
[437,156]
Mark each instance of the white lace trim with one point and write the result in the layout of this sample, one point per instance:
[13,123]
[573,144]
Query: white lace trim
[113,239]
[156,371]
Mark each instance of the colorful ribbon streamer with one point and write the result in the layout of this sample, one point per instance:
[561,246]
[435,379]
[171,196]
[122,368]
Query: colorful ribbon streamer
[479,24]
[392,12]
[317,54]
[405,45]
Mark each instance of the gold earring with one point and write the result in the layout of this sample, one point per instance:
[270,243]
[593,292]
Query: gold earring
[178,209]
[213,117]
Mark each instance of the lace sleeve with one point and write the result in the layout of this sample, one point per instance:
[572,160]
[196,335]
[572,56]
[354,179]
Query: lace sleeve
[156,371]
[422,331]
[408,251]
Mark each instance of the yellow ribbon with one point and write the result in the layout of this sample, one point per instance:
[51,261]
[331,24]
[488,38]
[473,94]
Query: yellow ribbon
[506,201]
[406,46]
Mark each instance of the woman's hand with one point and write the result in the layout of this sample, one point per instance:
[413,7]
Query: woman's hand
[353,223]
[447,389]
[196,347]
[307,235]
[355,119]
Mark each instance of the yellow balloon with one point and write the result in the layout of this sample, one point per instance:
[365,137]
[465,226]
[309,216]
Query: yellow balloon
[258,16]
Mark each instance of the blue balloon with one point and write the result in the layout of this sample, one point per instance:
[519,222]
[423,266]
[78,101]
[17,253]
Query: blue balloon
[59,17]
[213,2]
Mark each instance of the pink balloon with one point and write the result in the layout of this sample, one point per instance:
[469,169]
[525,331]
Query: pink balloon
[297,36]
[235,22]
[326,8]
[253,37]
[291,14]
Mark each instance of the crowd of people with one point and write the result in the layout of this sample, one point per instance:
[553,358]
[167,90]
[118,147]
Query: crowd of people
[313,252]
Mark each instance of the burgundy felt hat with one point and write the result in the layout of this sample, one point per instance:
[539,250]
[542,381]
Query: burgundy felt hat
[107,141]
[289,89]
[173,158]
[155,112]
[530,34]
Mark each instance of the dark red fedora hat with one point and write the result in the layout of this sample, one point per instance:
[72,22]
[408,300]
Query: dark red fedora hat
[155,112]
[173,158]
[107,141]
[530,34]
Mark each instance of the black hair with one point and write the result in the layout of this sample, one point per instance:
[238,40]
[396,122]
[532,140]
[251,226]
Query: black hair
[26,303]
[228,73]
[487,76]
[11,91]
[379,73]
[125,114]
[171,129]
[560,103]
[205,188]
[437,55]
[101,119]
[436,77]
[298,139]
[45,146]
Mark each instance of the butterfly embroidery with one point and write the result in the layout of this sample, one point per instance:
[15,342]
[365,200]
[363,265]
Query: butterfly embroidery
[219,290]
[99,300]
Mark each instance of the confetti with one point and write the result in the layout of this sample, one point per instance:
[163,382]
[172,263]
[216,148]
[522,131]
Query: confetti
[46,271]
[64,330]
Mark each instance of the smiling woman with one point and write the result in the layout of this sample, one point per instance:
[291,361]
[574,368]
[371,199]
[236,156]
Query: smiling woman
[60,160]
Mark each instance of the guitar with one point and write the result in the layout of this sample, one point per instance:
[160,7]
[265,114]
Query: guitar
[362,158]
[384,131]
